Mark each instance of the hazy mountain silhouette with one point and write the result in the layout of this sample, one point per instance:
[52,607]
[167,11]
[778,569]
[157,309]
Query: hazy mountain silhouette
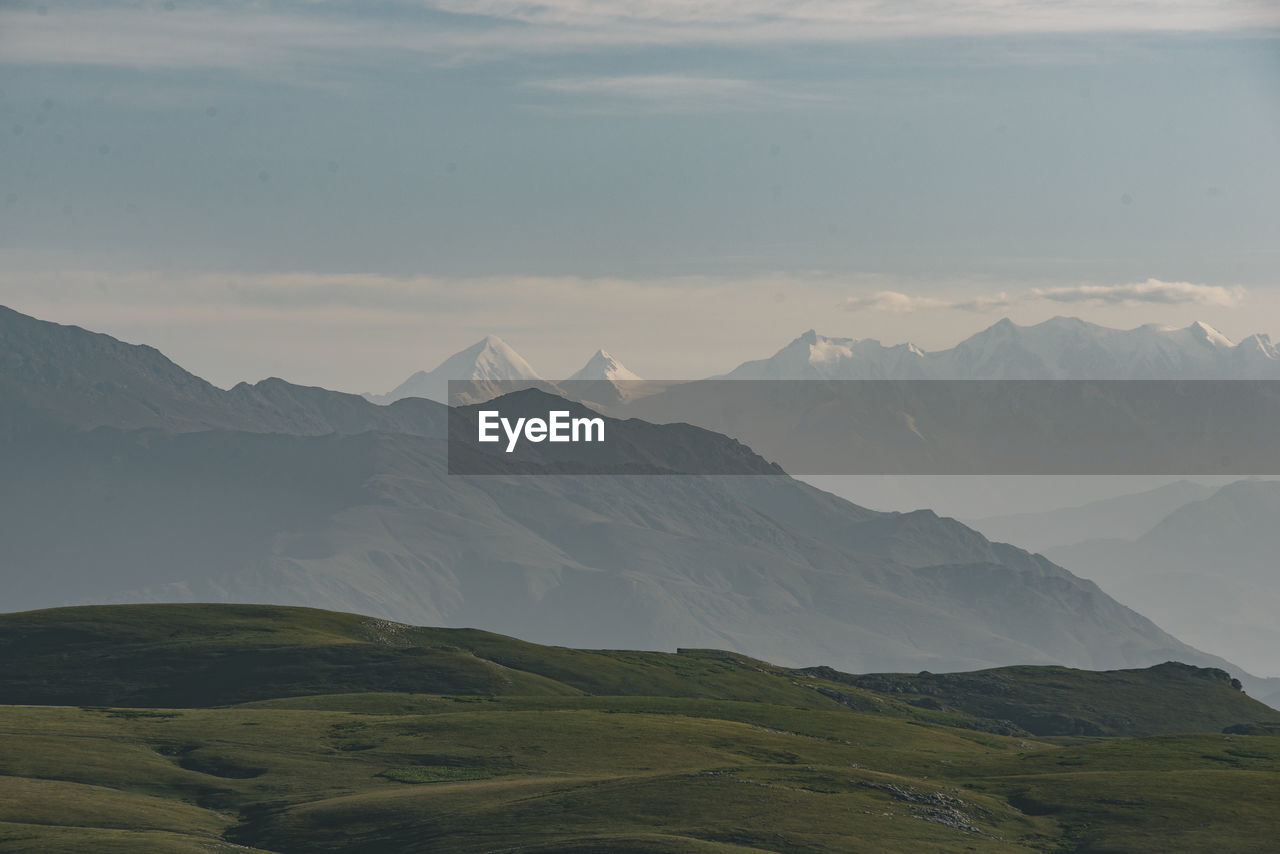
[1122,517]
[279,494]
[1207,571]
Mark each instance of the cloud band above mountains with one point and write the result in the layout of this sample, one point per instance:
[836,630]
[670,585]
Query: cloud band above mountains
[894,302]
[1152,291]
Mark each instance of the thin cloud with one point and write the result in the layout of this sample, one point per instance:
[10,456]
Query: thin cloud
[250,37]
[994,302]
[862,19]
[1150,291]
[672,92]
[894,302]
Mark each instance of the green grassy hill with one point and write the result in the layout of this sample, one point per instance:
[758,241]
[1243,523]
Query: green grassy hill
[1167,698]
[206,727]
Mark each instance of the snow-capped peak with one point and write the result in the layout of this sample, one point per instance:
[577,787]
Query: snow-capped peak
[1259,342]
[603,366]
[488,361]
[1204,332]
[490,358]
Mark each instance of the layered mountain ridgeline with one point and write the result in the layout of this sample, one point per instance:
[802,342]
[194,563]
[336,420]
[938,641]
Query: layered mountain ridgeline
[374,522]
[280,497]
[1120,517]
[360,735]
[1206,571]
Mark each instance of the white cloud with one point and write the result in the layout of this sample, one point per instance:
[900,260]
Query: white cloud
[892,302]
[1150,291]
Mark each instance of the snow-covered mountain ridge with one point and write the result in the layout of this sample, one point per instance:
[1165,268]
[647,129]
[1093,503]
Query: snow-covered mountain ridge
[1060,348]
[492,365]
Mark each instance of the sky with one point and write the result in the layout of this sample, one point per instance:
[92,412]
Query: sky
[342,193]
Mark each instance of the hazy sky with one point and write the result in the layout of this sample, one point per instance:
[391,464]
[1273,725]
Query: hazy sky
[341,193]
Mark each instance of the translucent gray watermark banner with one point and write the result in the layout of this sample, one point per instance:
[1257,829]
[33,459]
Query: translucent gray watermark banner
[872,427]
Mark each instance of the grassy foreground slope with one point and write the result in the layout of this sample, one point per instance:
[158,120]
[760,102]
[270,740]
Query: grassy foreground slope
[207,728]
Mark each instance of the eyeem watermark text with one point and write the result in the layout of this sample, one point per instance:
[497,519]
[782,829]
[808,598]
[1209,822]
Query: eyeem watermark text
[558,426]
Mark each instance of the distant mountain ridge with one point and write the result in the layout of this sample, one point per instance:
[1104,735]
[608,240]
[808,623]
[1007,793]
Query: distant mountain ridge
[1059,348]
[1123,517]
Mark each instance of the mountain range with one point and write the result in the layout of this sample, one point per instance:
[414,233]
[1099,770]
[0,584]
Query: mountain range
[1059,348]
[491,366]
[126,478]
